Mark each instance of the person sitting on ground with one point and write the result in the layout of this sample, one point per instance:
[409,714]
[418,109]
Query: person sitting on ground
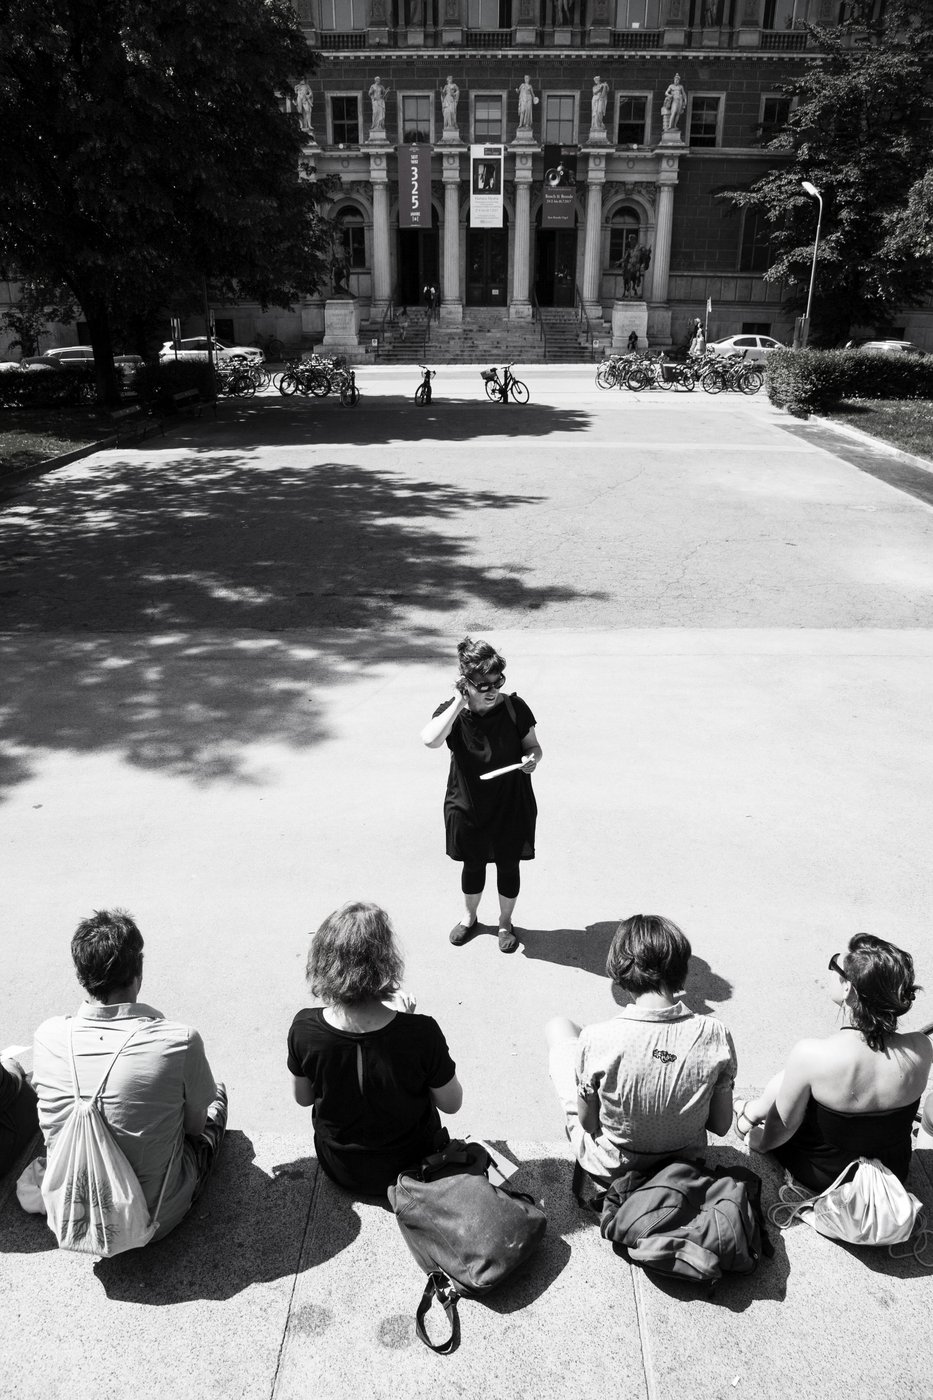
[160,1102]
[657,1077]
[19,1121]
[652,1081]
[855,1093]
[372,1071]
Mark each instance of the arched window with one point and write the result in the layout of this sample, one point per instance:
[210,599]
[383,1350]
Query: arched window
[624,229]
[352,237]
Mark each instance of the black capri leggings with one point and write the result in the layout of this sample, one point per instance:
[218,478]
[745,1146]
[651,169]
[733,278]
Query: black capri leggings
[508,879]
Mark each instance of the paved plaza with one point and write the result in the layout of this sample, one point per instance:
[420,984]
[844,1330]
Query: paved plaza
[217,651]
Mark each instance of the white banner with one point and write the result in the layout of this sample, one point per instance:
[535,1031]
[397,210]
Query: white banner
[486,170]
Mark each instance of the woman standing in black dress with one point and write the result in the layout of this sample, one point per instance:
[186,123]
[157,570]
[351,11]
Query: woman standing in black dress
[491,821]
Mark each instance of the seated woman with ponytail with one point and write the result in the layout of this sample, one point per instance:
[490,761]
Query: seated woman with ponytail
[855,1093]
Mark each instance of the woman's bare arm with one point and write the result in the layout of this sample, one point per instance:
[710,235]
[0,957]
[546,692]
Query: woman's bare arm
[449,1096]
[439,726]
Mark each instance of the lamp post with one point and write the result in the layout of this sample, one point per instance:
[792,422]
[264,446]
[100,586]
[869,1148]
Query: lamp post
[809,188]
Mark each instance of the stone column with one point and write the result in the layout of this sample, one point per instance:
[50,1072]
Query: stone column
[451,305]
[519,302]
[382,278]
[659,313]
[592,246]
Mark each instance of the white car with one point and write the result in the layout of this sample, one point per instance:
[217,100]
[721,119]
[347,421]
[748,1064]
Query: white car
[195,348]
[69,352]
[892,347]
[758,347]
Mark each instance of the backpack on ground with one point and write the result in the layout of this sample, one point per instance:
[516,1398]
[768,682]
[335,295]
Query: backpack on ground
[688,1221]
[865,1205]
[467,1234]
[93,1200]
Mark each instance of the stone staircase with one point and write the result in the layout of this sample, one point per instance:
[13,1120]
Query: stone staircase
[485,336]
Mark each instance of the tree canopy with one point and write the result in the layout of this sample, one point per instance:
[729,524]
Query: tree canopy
[860,131]
[146,150]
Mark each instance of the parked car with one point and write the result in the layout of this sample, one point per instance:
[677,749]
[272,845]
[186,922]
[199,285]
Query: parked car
[69,352]
[195,348]
[759,347]
[892,347]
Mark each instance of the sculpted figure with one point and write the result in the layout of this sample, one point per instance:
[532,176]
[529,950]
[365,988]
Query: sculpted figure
[565,11]
[674,104]
[377,96]
[526,104]
[598,102]
[304,102]
[450,96]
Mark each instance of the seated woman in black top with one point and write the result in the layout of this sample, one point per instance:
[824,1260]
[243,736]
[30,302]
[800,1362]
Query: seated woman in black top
[19,1118]
[373,1077]
[855,1093]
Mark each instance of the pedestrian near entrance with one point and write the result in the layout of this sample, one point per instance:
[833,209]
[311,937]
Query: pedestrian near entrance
[489,807]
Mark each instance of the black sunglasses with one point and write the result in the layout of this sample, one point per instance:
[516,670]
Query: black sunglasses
[487,685]
[835,966]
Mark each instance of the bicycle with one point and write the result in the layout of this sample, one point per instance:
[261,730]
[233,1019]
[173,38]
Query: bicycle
[661,374]
[271,347]
[498,390]
[423,392]
[613,371]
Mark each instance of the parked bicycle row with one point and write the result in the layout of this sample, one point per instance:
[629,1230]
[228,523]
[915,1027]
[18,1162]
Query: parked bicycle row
[319,375]
[712,372]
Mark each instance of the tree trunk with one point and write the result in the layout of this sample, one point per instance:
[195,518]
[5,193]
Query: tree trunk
[98,324]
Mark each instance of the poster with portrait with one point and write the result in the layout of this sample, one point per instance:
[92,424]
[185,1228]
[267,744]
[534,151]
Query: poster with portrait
[414,185]
[559,187]
[486,164]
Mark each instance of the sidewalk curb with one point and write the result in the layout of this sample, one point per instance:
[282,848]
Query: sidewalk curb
[868,440]
[64,459]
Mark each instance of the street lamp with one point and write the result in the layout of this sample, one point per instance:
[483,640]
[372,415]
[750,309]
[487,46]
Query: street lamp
[809,188]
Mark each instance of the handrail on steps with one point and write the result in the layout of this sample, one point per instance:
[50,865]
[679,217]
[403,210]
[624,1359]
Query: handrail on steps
[542,324]
[583,316]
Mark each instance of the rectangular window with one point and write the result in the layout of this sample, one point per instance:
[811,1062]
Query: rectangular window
[638,14]
[345,120]
[416,116]
[487,119]
[353,238]
[560,119]
[704,120]
[486,14]
[754,248]
[343,14]
[223,329]
[633,116]
[756,327]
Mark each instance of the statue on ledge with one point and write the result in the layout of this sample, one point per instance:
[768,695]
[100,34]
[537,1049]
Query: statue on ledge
[598,103]
[674,104]
[450,96]
[304,104]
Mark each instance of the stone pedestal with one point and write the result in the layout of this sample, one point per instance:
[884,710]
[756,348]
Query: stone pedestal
[659,325]
[628,316]
[563,36]
[671,138]
[342,327]
[597,137]
[451,138]
[415,38]
[451,36]
[377,138]
[524,137]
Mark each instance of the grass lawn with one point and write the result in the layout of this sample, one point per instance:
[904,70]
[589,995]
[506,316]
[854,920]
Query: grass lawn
[905,423]
[30,435]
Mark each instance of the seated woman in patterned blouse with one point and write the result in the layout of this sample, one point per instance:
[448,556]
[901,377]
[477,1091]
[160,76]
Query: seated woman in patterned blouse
[657,1077]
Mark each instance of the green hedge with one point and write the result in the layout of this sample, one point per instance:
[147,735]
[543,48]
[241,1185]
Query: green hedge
[808,381]
[156,383]
[47,386]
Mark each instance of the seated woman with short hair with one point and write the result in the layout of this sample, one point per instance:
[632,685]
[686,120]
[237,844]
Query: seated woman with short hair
[374,1077]
[856,1092]
[652,1081]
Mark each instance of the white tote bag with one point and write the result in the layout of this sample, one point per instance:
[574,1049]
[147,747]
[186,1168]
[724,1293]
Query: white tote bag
[93,1199]
[865,1206]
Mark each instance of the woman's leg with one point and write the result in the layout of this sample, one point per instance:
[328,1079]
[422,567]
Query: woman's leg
[562,1035]
[757,1110]
[508,884]
[472,883]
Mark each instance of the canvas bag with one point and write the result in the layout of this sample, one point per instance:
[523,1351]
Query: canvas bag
[866,1204]
[687,1220]
[93,1200]
[467,1234]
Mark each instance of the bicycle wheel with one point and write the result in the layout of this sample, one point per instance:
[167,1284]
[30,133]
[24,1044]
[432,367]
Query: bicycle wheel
[349,395]
[712,382]
[421,396]
[275,350]
[519,391]
[492,390]
[636,379]
[686,379]
[260,376]
[286,383]
[604,377]
[665,380]
[751,381]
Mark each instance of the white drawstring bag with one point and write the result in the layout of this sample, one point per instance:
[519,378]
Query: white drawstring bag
[92,1197]
[867,1205]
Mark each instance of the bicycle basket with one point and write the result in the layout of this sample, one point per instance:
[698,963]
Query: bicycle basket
[489,375]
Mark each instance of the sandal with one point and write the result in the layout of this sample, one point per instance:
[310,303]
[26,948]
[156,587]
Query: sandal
[739,1112]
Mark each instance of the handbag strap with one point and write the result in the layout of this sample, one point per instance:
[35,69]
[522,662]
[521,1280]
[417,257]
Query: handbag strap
[440,1287]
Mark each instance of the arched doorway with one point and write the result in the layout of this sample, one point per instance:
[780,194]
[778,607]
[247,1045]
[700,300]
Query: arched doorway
[555,264]
[487,265]
[418,263]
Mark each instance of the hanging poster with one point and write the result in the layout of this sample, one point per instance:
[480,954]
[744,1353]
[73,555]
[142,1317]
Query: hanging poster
[486,186]
[414,185]
[559,191]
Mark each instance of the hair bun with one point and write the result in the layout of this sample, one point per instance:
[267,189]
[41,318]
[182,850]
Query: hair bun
[464,645]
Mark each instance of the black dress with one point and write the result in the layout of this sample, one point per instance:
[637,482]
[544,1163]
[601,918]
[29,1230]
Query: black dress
[364,1136]
[492,821]
[827,1141]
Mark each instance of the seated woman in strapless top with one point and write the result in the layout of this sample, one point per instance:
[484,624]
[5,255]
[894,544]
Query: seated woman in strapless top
[854,1094]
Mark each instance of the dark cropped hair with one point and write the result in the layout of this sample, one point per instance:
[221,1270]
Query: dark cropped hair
[479,658]
[881,976]
[107,950]
[648,953]
[353,956]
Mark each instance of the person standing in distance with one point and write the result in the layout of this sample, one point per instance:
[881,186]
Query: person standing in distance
[491,821]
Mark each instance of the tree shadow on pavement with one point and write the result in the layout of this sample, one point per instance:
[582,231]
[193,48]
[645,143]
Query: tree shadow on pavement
[136,572]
